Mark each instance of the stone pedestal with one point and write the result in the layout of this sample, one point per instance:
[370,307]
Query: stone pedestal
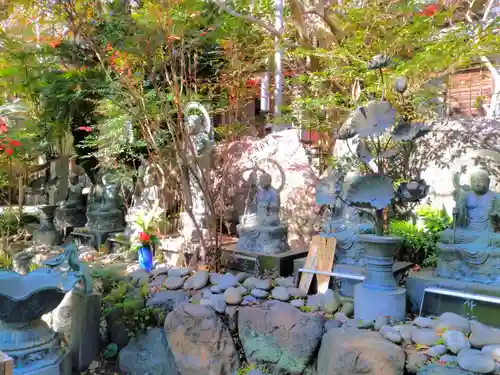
[379,294]
[35,348]
[259,264]
[263,239]
[47,234]
[85,324]
[436,304]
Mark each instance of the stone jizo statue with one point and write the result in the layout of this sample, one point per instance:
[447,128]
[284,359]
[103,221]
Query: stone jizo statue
[260,229]
[471,249]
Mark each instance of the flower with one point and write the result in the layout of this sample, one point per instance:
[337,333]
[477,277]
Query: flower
[429,10]
[87,129]
[144,237]
[15,143]
[9,151]
[400,85]
[55,43]
[412,191]
[379,62]
[373,119]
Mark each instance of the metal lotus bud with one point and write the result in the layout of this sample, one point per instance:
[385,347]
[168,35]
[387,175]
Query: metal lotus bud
[357,87]
[400,85]
[379,62]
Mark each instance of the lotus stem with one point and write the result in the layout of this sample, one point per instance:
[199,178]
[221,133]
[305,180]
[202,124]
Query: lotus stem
[382,82]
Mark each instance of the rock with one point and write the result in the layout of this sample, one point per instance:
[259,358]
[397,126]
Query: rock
[296,292]
[167,300]
[218,303]
[199,280]
[415,361]
[242,276]
[330,324]
[330,302]
[159,271]
[250,282]
[259,293]
[452,321]
[422,322]
[347,309]
[242,289]
[249,299]
[286,282]
[157,282]
[313,302]
[433,369]
[455,341]
[380,322]
[233,296]
[448,358]
[436,351]
[493,350]
[200,341]
[424,336]
[232,318]
[279,336]
[138,276]
[340,316]
[228,280]
[154,353]
[350,351]
[476,362]
[198,295]
[174,283]
[280,293]
[215,289]
[364,324]
[405,331]
[178,272]
[254,372]
[391,334]
[482,335]
[214,278]
[297,303]
[265,284]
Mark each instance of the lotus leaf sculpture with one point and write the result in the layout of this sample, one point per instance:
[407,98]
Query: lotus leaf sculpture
[25,298]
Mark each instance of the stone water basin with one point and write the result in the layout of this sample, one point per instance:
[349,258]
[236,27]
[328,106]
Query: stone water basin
[25,298]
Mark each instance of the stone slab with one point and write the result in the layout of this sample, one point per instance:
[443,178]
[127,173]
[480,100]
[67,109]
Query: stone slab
[61,367]
[49,237]
[89,238]
[259,264]
[85,329]
[371,303]
[435,304]
[346,284]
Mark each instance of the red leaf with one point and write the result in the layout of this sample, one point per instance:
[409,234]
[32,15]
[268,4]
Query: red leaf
[9,151]
[429,10]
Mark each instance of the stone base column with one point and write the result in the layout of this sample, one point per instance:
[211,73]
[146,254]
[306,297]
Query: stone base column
[85,323]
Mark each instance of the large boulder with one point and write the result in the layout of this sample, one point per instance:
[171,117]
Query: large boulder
[351,351]
[148,353]
[279,336]
[200,341]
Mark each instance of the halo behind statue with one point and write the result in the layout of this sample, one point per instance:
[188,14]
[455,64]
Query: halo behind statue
[208,122]
[260,167]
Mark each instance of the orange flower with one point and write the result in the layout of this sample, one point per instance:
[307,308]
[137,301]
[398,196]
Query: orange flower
[55,43]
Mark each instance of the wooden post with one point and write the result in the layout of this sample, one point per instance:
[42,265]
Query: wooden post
[320,258]
[6,364]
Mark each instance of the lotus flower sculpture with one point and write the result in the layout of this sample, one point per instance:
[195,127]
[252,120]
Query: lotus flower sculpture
[381,134]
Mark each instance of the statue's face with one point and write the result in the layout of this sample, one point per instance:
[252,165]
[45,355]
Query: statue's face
[265,180]
[480,183]
[195,124]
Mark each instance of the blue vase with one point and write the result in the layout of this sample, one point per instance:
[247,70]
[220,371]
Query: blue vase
[145,258]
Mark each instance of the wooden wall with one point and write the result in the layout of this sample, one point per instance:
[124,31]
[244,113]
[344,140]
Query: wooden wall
[468,90]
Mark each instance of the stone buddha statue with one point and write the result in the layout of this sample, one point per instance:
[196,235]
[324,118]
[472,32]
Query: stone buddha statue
[105,210]
[471,250]
[342,222]
[260,229]
[71,211]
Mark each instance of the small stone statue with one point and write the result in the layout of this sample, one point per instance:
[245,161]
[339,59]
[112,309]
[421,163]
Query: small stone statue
[260,229]
[74,198]
[105,209]
[471,250]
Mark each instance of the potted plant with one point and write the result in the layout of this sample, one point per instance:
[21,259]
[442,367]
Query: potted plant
[381,134]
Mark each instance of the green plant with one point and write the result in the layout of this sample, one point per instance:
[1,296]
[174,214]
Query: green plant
[245,370]
[420,243]
[126,302]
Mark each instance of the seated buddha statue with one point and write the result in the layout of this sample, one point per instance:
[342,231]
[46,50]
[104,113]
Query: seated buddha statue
[342,222]
[260,229]
[471,250]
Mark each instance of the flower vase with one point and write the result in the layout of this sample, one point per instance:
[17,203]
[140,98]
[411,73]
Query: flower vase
[145,258]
